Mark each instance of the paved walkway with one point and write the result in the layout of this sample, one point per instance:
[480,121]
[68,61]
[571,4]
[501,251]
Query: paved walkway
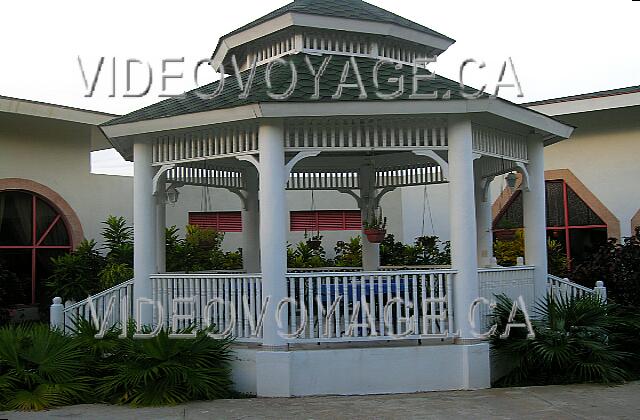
[553,402]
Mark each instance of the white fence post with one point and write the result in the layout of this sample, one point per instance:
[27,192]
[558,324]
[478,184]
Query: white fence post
[601,291]
[56,314]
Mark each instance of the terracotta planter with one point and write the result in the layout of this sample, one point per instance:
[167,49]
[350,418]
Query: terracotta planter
[375,236]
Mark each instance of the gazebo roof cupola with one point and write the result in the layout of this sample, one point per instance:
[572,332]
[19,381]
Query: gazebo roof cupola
[339,27]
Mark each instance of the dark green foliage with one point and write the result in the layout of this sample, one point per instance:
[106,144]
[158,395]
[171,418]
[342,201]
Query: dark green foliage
[75,275]
[577,340]
[508,251]
[307,255]
[349,254]
[11,292]
[557,259]
[200,250]
[86,271]
[427,250]
[173,249]
[618,265]
[157,371]
[118,241]
[115,273]
[40,368]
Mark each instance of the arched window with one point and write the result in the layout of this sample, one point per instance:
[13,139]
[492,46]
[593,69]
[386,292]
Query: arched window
[570,220]
[32,231]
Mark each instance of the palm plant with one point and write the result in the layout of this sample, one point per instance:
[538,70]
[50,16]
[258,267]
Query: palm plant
[40,368]
[118,240]
[164,371]
[573,343]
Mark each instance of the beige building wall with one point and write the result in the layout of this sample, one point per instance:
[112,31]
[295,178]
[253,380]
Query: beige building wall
[56,154]
[603,154]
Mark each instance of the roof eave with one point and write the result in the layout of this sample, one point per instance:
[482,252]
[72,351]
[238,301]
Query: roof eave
[289,19]
[551,129]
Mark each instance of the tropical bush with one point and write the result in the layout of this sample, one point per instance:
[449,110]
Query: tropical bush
[308,254]
[426,250]
[87,270]
[618,265]
[200,250]
[76,275]
[508,251]
[159,370]
[118,244]
[11,291]
[349,254]
[576,340]
[40,368]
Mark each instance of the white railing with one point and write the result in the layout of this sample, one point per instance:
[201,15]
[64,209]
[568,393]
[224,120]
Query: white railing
[344,307]
[557,286]
[64,318]
[511,281]
[233,293]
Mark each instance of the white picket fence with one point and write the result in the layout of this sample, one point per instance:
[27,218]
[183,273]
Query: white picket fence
[319,306]
[338,306]
[231,303]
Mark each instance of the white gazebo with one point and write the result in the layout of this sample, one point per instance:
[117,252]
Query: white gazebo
[327,97]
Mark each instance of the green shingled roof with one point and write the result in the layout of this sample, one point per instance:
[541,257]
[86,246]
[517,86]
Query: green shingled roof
[349,9]
[192,102]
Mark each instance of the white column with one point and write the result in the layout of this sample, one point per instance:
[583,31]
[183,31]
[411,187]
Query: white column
[273,228]
[484,220]
[464,252]
[161,225]
[144,226]
[251,225]
[535,225]
[370,252]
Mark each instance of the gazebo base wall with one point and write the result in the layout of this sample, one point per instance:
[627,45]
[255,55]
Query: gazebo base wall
[362,371]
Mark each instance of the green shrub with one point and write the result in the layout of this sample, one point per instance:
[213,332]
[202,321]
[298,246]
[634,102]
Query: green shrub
[349,254]
[115,273]
[576,340]
[11,292]
[76,275]
[507,253]
[200,250]
[118,240]
[618,265]
[159,370]
[40,368]
[307,255]
[426,250]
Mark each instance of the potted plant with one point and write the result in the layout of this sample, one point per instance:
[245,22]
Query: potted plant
[376,228]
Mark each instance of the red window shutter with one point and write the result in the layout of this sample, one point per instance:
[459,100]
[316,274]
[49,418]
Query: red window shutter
[353,220]
[301,221]
[221,221]
[325,220]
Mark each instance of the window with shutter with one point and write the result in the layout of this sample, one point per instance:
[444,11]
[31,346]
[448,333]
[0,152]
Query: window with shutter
[325,220]
[227,221]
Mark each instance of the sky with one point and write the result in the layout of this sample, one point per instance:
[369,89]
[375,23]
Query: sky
[558,48]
